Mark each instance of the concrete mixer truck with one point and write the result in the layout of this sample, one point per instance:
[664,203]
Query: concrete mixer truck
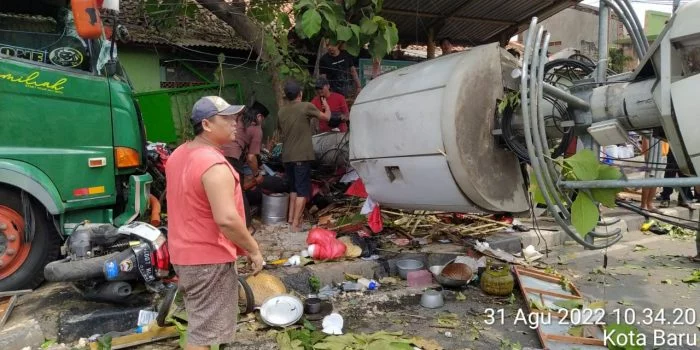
[434,138]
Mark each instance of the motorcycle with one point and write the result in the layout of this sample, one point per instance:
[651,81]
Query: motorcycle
[105,262]
[108,263]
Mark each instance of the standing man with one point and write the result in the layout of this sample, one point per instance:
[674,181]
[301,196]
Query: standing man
[684,194]
[294,123]
[337,103]
[245,150]
[207,228]
[446,46]
[338,66]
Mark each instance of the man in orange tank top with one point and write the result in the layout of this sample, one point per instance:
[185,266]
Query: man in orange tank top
[206,225]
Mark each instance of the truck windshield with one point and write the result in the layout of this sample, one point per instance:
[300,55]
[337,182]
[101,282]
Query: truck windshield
[46,39]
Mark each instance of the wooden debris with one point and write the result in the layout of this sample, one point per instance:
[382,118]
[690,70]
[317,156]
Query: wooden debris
[131,340]
[325,220]
[7,303]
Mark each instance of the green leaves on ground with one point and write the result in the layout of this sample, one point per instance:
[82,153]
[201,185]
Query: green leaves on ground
[47,343]
[448,320]
[537,305]
[376,341]
[104,342]
[693,278]
[569,304]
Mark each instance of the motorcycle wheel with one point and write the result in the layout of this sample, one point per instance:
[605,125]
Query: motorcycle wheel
[246,305]
[166,304]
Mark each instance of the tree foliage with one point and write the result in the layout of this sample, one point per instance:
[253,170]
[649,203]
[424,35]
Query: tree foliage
[617,60]
[355,22]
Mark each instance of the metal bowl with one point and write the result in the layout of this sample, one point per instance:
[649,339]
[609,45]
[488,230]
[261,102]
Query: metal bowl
[282,310]
[444,281]
[432,299]
[408,265]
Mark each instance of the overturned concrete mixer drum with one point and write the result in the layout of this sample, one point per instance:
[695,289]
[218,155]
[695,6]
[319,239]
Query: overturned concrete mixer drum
[422,136]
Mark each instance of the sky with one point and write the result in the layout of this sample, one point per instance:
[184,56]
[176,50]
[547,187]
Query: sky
[641,6]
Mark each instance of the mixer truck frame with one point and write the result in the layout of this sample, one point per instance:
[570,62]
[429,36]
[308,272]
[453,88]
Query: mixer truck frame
[72,143]
[479,155]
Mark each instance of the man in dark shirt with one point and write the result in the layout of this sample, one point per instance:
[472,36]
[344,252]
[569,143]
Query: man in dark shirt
[339,68]
[294,123]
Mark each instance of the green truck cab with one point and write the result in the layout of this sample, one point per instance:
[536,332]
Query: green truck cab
[72,140]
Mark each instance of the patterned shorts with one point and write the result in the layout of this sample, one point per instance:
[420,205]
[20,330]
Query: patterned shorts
[211,301]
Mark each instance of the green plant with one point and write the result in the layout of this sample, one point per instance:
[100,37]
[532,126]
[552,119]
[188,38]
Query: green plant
[315,284]
[584,166]
[511,99]
[356,23]
[617,60]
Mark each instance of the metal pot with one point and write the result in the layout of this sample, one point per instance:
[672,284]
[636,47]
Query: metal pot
[312,305]
[432,299]
[274,208]
[408,265]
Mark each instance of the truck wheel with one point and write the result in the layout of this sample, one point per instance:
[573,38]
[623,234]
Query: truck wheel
[22,263]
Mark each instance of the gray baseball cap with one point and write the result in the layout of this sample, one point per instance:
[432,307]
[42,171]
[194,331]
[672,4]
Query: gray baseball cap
[209,106]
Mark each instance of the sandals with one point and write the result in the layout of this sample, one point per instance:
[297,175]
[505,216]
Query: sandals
[695,259]
[655,211]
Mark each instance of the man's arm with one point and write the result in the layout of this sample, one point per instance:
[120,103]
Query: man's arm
[316,113]
[219,185]
[253,151]
[356,78]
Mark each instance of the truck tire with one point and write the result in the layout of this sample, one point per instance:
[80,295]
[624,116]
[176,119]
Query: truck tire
[22,263]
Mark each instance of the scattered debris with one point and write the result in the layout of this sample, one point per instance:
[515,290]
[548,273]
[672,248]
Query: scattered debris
[131,339]
[553,296]
[447,320]
[625,303]
[639,248]
[693,278]
[7,303]
[389,280]
[333,324]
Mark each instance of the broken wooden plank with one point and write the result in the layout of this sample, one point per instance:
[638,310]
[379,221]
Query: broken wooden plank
[476,217]
[555,281]
[576,340]
[150,336]
[7,303]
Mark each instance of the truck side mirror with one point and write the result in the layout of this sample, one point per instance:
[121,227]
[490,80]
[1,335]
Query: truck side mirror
[87,18]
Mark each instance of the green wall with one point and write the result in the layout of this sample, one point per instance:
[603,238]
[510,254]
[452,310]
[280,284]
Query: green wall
[654,22]
[143,68]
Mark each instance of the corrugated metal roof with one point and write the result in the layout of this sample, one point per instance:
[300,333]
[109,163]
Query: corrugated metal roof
[467,22]
[203,29]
